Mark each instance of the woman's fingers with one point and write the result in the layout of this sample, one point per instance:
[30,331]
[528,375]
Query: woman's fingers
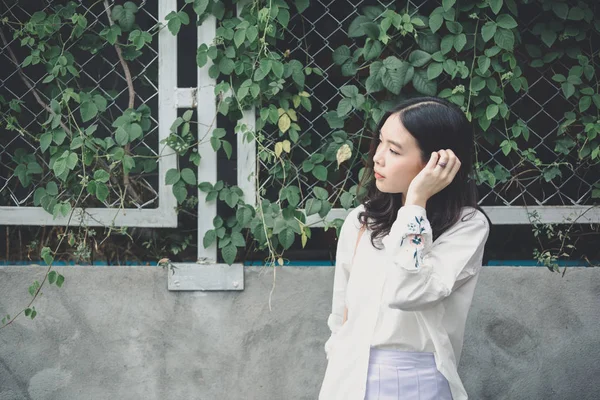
[433,160]
[451,164]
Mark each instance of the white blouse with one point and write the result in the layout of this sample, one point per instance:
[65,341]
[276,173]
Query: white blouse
[413,295]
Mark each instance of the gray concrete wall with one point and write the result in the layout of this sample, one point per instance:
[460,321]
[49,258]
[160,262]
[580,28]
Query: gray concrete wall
[117,333]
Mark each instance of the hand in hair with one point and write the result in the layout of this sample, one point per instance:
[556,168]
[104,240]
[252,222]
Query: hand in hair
[433,178]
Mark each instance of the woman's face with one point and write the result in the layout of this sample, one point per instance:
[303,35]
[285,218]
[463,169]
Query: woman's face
[398,157]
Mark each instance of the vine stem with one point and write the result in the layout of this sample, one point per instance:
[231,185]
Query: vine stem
[46,107]
[130,88]
[41,285]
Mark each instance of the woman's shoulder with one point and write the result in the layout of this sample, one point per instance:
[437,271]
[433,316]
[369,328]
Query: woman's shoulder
[473,217]
[472,213]
[352,217]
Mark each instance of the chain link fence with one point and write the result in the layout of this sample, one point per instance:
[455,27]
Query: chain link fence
[560,180]
[26,99]
[312,38]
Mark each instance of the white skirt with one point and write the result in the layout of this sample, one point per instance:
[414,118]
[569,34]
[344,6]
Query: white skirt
[401,375]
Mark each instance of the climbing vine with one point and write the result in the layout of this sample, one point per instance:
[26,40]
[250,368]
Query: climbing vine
[476,54]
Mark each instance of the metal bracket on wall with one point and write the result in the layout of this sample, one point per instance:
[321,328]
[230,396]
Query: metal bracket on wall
[208,277]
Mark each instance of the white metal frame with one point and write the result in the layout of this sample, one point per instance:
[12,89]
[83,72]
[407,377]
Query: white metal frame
[207,274]
[162,216]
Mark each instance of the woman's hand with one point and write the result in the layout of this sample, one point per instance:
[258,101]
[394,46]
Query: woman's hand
[437,174]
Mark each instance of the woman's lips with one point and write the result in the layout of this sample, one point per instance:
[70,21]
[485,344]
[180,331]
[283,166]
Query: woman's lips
[378,176]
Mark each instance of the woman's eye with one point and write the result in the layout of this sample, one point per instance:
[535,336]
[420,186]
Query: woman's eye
[393,152]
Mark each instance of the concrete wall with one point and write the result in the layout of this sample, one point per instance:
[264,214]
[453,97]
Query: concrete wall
[117,333]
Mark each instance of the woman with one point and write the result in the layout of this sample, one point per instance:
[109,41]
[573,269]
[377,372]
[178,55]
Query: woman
[406,284]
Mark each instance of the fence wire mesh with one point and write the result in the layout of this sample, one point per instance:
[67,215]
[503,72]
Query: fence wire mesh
[312,38]
[560,180]
[27,99]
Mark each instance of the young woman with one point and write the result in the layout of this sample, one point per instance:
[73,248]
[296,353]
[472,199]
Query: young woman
[402,290]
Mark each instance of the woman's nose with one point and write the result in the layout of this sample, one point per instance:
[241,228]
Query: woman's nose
[377,157]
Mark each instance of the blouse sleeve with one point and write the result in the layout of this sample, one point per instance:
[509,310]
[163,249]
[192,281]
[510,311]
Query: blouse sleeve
[343,261]
[420,273]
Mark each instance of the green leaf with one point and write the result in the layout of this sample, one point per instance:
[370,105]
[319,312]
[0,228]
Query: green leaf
[277,69]
[372,49]
[344,107]
[491,111]
[239,37]
[52,277]
[584,103]
[548,37]
[447,44]
[435,22]
[38,195]
[371,29]
[320,193]
[447,4]
[227,148]
[320,172]
[229,253]
[576,14]
[135,132]
[180,192]
[313,206]
[286,238]
[45,141]
[341,55]
[238,239]
[172,177]
[428,42]
[101,175]
[88,110]
[174,23]
[484,63]
[101,191]
[506,147]
[188,176]
[505,39]
[71,161]
[496,5]
[392,62]
[356,26]
[506,21]
[200,6]
[283,17]
[434,70]
[334,120]
[226,66]
[187,116]
[560,9]
[488,30]
[393,81]
[419,58]
[121,136]
[47,255]
[454,27]
[423,85]
[568,89]
[252,33]
[52,188]
[460,41]
[209,238]
[301,5]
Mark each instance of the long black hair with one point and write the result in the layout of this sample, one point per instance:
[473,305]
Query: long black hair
[435,124]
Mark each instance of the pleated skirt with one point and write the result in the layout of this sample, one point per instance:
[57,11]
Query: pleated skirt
[400,375]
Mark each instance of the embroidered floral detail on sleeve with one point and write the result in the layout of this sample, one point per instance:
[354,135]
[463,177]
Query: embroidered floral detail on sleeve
[414,234]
